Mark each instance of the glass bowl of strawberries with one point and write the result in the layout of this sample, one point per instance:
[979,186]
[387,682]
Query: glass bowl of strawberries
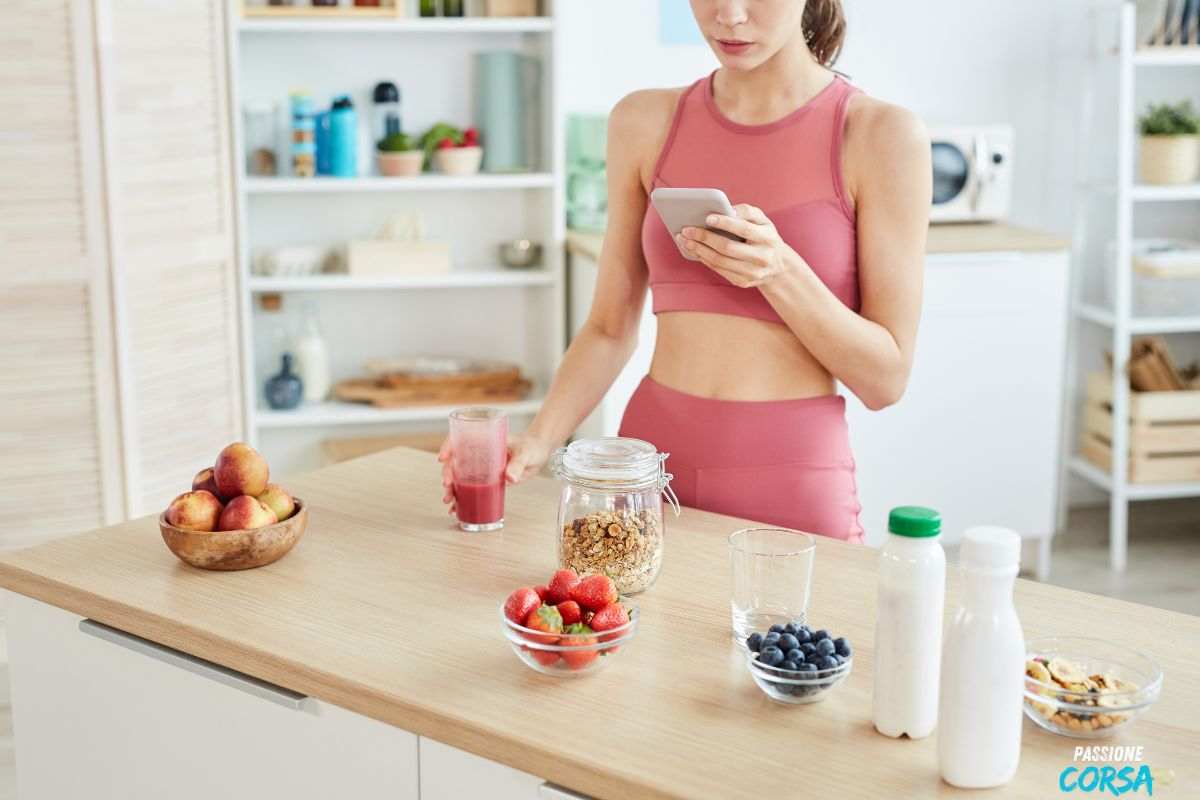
[570,626]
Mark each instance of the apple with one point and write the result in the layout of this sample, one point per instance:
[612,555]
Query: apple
[240,470]
[246,512]
[276,498]
[204,480]
[195,511]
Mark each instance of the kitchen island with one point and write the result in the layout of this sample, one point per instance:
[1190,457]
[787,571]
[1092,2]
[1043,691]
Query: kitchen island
[370,658]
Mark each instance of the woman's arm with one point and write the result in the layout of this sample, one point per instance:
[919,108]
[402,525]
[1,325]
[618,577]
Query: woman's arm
[890,179]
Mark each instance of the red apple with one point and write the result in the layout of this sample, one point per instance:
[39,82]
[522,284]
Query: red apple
[195,511]
[204,480]
[278,500]
[246,512]
[240,470]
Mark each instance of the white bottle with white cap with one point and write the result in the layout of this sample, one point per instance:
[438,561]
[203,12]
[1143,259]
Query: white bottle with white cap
[983,666]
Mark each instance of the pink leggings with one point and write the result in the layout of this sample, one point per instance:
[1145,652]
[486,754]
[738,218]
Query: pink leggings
[781,462]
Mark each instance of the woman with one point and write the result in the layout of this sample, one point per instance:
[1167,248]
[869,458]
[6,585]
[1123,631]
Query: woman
[832,194]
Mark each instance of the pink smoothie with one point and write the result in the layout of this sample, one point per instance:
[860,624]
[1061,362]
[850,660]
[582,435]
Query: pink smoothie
[479,504]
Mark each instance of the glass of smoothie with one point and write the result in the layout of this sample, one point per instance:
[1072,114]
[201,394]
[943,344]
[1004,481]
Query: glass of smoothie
[479,441]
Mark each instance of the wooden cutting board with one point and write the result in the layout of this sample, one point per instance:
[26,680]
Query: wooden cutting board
[381,395]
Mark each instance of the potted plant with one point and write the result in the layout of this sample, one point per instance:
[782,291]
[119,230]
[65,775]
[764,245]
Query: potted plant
[1170,144]
[453,151]
[398,157]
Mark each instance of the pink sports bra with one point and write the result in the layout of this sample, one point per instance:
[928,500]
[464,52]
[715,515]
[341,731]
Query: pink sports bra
[790,168]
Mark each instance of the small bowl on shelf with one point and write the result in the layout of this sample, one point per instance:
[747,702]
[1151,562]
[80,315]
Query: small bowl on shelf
[1087,688]
[792,687]
[520,254]
[401,163]
[458,160]
[569,655]
[234,550]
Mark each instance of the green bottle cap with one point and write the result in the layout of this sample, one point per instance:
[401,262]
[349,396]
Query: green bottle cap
[916,522]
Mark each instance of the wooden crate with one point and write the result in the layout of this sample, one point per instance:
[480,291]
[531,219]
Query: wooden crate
[1164,432]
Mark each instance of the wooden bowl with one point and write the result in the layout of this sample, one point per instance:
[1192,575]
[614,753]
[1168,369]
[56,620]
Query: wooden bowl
[230,550]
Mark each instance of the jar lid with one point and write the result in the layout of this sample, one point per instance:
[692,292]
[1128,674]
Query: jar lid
[915,522]
[611,459]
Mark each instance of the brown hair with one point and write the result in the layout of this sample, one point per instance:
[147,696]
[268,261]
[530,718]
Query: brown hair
[824,26]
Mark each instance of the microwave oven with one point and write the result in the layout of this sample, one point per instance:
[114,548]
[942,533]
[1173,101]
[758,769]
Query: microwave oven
[972,173]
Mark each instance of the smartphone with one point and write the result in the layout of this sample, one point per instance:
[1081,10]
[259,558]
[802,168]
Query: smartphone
[682,208]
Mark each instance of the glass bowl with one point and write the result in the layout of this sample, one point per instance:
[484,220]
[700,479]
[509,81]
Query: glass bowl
[784,686]
[569,655]
[1090,708]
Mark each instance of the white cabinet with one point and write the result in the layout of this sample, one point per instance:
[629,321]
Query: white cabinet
[977,435]
[448,773]
[106,720]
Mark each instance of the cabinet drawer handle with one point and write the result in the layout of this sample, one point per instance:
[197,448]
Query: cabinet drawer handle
[197,666]
[548,791]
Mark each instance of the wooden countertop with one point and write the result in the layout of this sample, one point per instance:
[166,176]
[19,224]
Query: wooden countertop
[980,237]
[386,609]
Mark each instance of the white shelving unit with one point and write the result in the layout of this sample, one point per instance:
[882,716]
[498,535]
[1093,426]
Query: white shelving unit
[478,308]
[1119,321]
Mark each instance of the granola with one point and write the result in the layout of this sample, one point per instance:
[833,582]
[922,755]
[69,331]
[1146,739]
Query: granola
[1099,689]
[624,545]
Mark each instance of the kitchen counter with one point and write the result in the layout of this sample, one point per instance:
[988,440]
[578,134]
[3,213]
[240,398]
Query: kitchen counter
[971,237]
[387,610]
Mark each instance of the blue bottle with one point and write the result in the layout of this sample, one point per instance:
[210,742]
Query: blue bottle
[283,391]
[321,126]
[343,139]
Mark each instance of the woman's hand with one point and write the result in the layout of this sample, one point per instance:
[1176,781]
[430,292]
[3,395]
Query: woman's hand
[526,455]
[763,256]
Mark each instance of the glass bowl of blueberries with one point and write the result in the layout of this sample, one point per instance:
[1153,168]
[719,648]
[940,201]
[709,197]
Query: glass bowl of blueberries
[794,664]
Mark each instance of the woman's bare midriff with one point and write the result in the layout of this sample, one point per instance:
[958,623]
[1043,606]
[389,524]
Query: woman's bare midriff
[723,357]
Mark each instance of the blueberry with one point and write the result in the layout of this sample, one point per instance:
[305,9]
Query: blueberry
[771,656]
[771,640]
[826,663]
[791,628]
[803,635]
[826,647]
[807,667]
[795,655]
[821,634]
[842,647]
[790,666]
[788,642]
[775,629]
[754,641]
[809,649]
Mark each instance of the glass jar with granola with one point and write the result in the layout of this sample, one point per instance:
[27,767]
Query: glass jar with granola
[610,518]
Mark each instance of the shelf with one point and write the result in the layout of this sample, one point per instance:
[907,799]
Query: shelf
[1134,491]
[1186,191]
[392,24]
[334,412]
[1140,325]
[529,180]
[1181,56]
[451,280]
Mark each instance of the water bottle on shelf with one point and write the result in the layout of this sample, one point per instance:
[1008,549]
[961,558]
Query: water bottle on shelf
[908,624]
[343,138]
[304,148]
[983,667]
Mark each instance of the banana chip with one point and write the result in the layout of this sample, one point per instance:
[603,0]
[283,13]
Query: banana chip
[1066,672]
[1037,670]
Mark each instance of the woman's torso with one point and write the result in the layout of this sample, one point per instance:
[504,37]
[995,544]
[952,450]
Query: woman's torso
[717,340]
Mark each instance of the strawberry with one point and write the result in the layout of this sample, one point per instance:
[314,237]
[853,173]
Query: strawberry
[542,592]
[594,592]
[547,620]
[579,635]
[570,611]
[611,616]
[561,585]
[445,144]
[470,137]
[520,604]
[543,657]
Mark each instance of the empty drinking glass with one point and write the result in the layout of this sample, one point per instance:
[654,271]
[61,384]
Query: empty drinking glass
[479,441]
[772,572]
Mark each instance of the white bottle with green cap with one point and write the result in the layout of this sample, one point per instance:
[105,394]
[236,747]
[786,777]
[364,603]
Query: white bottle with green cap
[983,666]
[908,624]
